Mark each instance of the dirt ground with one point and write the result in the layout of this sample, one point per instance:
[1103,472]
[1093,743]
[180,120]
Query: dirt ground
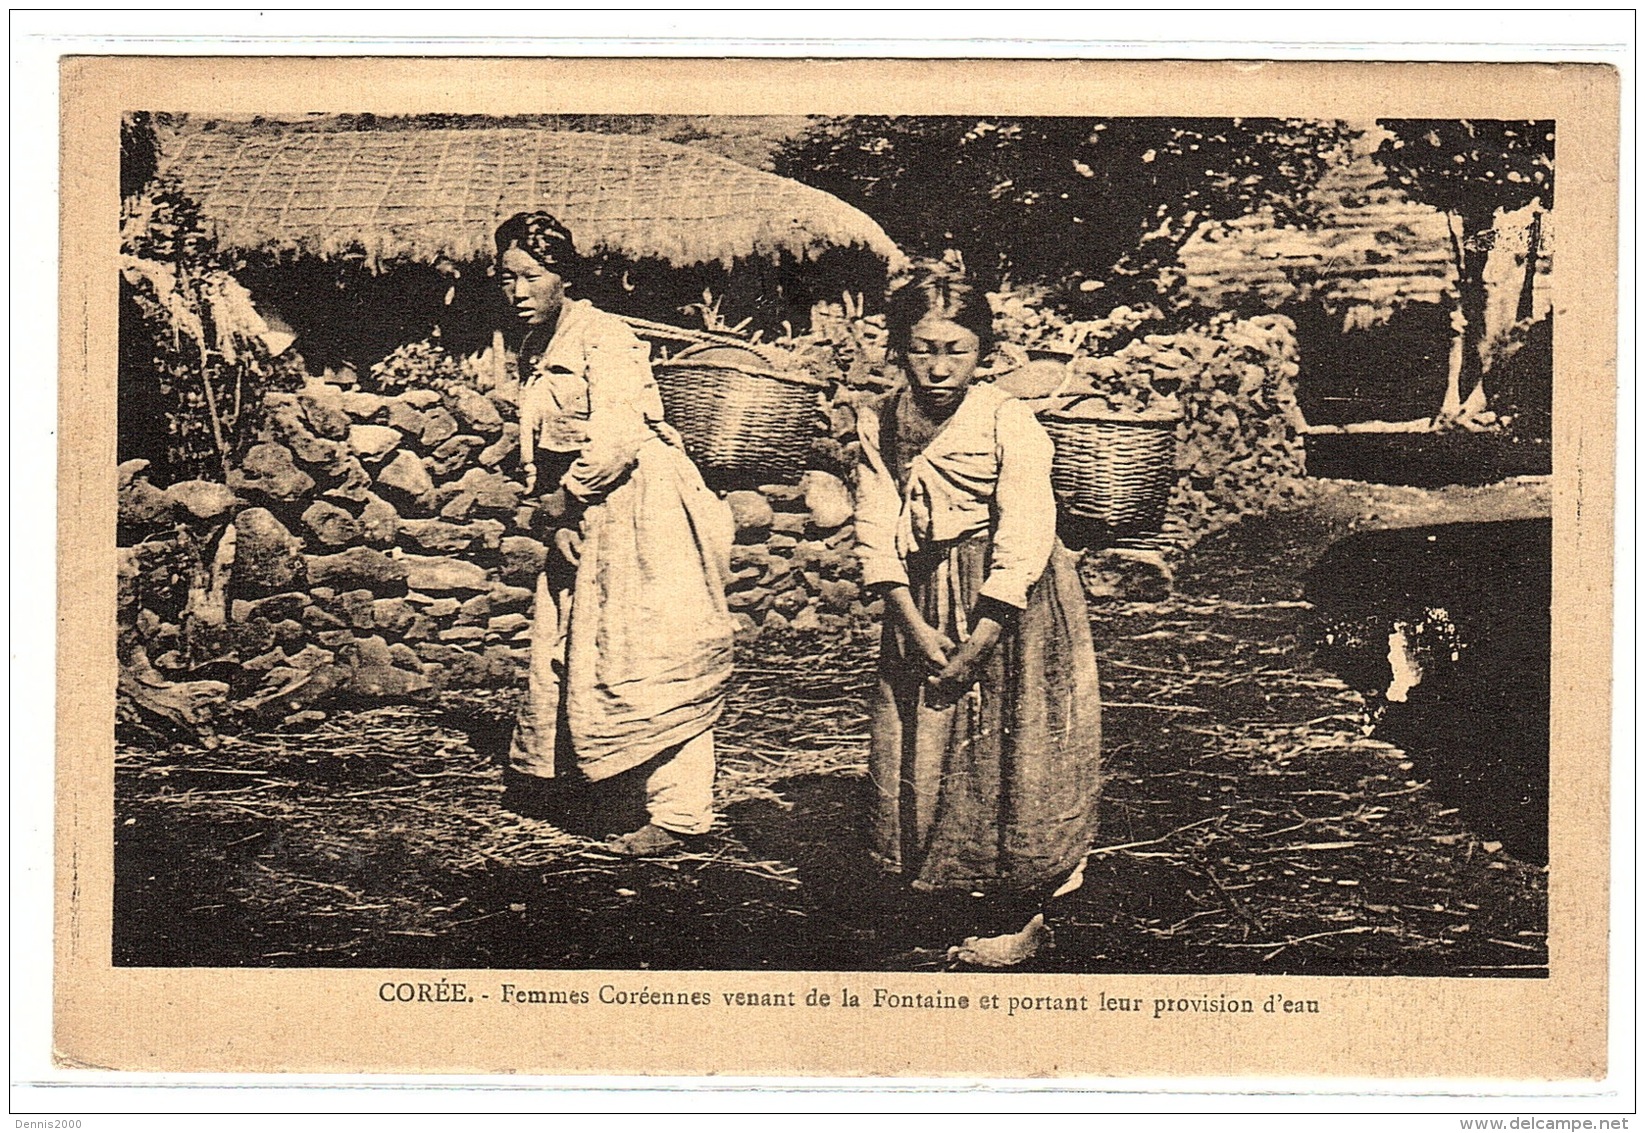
[1252,820]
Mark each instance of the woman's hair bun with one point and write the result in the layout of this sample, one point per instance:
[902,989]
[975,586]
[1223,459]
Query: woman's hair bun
[541,236]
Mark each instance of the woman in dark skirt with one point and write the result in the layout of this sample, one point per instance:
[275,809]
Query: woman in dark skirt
[986,721]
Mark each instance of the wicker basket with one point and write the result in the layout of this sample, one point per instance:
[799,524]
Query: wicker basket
[1114,470]
[743,422]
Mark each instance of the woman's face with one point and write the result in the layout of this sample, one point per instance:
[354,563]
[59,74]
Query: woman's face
[942,360]
[532,288]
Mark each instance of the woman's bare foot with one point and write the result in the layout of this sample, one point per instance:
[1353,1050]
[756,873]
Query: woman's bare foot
[647,841]
[1004,951]
[1075,880]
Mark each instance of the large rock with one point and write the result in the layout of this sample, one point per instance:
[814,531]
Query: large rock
[457,505]
[421,629]
[751,557]
[435,607]
[325,457]
[523,560]
[201,500]
[318,618]
[286,422]
[404,657]
[467,670]
[839,594]
[454,455]
[506,599]
[362,406]
[790,602]
[393,615]
[505,625]
[475,411]
[475,610]
[806,619]
[433,653]
[789,523]
[330,524]
[404,479]
[791,494]
[492,491]
[247,639]
[274,608]
[268,559]
[290,633]
[374,674]
[371,650]
[441,575]
[754,598]
[323,406]
[283,416]
[439,426]
[128,471]
[349,480]
[827,499]
[379,522]
[405,418]
[143,505]
[269,471]
[436,536]
[373,443]
[312,687]
[502,448]
[420,398]
[312,657]
[830,562]
[262,663]
[358,568]
[753,516]
[357,608]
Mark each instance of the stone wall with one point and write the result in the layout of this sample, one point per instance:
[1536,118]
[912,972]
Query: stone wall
[382,546]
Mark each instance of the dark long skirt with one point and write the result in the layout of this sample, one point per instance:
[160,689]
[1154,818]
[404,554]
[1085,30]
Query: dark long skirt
[996,793]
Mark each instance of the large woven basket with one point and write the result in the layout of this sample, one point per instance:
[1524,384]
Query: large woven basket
[743,422]
[1114,470]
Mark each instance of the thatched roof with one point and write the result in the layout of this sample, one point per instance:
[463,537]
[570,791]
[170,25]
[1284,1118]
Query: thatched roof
[422,194]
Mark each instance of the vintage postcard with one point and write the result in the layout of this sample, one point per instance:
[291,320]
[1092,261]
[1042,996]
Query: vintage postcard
[804,567]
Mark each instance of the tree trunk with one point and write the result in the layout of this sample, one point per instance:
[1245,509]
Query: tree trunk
[1467,369]
[1533,250]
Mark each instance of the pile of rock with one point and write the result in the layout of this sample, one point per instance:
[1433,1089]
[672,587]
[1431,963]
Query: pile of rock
[793,566]
[382,546]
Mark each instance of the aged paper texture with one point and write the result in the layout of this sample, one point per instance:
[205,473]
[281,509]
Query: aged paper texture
[717,963]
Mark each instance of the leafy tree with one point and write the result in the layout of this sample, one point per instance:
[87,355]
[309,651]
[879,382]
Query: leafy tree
[1472,170]
[1093,208]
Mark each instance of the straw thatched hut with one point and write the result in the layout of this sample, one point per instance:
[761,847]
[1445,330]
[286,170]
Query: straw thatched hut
[366,239]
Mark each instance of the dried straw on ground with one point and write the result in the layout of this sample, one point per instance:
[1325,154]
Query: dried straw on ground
[426,194]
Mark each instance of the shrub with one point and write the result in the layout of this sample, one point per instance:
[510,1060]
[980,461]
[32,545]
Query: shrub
[193,362]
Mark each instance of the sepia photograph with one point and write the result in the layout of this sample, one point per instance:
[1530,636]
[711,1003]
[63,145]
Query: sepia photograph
[908,543]
[620,563]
